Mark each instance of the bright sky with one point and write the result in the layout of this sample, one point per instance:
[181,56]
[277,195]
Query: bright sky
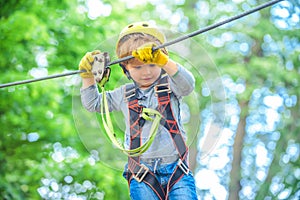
[97,8]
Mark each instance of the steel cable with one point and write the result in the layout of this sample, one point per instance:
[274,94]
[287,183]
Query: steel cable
[179,39]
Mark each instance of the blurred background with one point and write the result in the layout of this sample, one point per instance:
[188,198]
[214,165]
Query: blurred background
[243,118]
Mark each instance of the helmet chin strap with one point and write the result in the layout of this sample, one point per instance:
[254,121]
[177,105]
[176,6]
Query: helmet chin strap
[126,72]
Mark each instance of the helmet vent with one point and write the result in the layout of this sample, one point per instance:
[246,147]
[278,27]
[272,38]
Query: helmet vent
[131,25]
[145,25]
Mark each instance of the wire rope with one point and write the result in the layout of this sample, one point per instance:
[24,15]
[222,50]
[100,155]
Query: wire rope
[179,39]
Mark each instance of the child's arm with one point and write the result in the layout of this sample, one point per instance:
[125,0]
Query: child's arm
[183,81]
[90,96]
[171,68]
[87,82]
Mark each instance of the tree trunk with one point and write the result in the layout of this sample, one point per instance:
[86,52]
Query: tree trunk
[290,131]
[235,174]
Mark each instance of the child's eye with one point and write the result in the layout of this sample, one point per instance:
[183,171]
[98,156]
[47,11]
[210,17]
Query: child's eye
[152,65]
[137,67]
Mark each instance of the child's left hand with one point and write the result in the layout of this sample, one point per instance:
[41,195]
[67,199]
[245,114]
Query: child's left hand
[146,55]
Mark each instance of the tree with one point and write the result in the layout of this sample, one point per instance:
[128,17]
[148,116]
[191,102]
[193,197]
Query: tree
[247,97]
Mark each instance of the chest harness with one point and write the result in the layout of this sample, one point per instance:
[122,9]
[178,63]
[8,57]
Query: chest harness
[138,171]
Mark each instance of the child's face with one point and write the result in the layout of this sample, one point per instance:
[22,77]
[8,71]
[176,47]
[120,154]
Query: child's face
[144,74]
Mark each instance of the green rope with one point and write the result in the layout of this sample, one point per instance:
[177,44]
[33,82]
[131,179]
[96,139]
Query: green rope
[147,113]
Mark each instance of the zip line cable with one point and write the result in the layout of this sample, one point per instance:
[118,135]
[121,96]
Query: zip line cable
[205,29]
[179,39]
[41,79]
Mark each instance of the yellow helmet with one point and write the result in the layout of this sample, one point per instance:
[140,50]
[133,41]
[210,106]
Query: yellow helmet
[142,27]
[139,27]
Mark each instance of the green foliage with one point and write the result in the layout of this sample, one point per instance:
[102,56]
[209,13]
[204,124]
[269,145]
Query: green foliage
[36,116]
[42,149]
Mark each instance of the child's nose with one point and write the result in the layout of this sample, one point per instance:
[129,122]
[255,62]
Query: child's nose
[147,70]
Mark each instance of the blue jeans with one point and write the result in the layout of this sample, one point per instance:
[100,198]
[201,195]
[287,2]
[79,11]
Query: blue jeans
[184,189]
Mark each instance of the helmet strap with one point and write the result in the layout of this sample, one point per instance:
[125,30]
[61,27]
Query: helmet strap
[126,72]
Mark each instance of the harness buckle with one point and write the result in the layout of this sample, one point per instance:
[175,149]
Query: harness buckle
[140,175]
[183,166]
[155,164]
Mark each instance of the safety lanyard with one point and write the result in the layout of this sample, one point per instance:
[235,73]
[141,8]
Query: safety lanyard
[147,114]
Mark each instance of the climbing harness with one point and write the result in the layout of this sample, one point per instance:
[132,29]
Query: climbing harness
[138,115]
[179,39]
[141,172]
[146,114]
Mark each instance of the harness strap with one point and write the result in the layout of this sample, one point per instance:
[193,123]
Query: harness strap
[168,120]
[139,171]
[136,170]
[164,101]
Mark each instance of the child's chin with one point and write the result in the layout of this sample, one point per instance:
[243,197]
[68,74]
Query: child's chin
[146,85]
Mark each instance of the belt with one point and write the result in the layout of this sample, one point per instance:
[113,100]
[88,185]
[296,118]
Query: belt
[162,160]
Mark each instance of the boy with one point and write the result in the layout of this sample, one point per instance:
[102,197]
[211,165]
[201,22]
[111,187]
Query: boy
[159,83]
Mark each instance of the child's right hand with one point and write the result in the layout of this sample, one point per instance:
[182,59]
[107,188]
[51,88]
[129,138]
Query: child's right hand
[146,54]
[86,64]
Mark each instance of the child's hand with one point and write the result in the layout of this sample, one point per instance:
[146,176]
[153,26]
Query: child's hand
[145,54]
[86,64]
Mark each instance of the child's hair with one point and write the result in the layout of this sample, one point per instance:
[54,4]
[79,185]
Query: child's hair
[131,42]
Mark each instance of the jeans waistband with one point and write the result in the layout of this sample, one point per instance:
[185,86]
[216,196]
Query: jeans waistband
[162,160]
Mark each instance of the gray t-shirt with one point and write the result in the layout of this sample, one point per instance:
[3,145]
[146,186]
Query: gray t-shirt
[181,84]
